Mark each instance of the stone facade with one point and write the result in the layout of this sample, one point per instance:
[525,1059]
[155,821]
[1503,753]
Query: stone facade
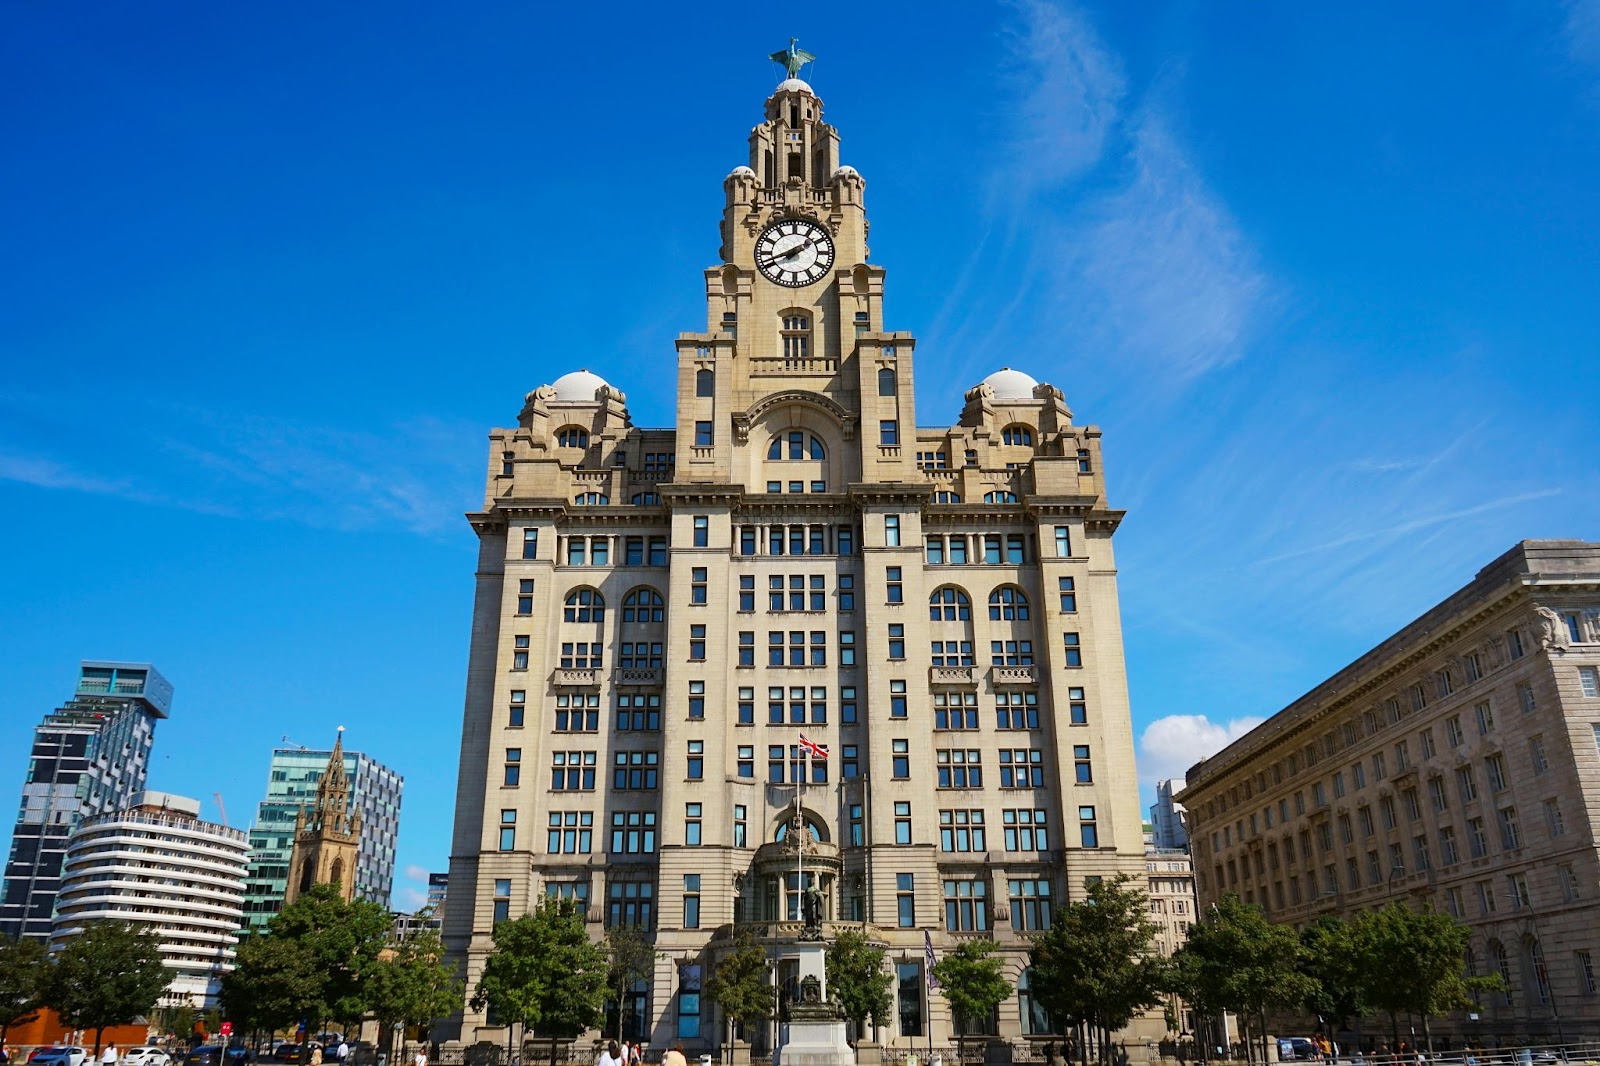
[662,613]
[1457,764]
[1169,880]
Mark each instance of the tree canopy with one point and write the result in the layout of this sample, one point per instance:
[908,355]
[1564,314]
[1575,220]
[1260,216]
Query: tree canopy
[1096,963]
[630,957]
[972,980]
[109,974]
[24,972]
[410,982]
[858,980]
[739,985]
[545,972]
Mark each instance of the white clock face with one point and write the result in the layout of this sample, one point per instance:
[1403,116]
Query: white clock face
[794,252]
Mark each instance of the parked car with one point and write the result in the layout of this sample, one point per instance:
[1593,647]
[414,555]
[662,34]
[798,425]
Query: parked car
[288,1052]
[60,1055]
[214,1055]
[1298,1048]
[146,1056]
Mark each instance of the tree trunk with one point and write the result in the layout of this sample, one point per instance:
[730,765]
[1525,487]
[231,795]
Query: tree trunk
[553,1047]
[98,1033]
[1427,1034]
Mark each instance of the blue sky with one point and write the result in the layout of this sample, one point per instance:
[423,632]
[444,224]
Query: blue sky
[1327,277]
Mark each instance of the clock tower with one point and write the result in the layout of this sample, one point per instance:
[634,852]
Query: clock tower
[794,660]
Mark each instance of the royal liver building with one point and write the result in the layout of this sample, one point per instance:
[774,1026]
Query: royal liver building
[666,619]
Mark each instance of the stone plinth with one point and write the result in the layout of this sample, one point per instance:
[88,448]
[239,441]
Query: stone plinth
[814,1034]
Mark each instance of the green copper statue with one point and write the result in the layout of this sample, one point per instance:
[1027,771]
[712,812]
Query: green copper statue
[793,58]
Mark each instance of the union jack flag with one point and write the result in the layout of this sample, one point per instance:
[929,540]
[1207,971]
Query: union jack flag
[819,751]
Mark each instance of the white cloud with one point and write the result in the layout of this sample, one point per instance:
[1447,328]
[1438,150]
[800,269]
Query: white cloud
[1069,93]
[417,873]
[409,900]
[1166,275]
[1169,746]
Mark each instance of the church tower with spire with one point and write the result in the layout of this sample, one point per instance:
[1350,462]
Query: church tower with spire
[796,663]
[327,834]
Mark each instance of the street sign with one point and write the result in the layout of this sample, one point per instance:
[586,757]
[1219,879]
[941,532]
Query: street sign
[226,1028]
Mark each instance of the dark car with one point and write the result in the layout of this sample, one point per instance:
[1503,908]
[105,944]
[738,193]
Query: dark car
[291,1052]
[213,1055]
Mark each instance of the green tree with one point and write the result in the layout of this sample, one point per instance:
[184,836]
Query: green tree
[410,983]
[631,957]
[108,974]
[1414,962]
[273,985]
[545,972]
[24,970]
[1333,959]
[1237,960]
[178,1021]
[857,979]
[972,981]
[1096,964]
[739,985]
[341,941]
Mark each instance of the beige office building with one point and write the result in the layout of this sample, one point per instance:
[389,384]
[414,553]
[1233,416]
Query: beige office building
[1457,764]
[661,614]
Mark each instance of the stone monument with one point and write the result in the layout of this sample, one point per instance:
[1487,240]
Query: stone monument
[814,1034]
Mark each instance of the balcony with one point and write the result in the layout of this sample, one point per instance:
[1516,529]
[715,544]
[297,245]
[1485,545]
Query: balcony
[642,676]
[576,679]
[1013,675]
[951,675]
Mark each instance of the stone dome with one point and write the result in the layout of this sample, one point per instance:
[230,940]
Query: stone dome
[741,172]
[1011,384]
[846,172]
[793,85]
[577,387]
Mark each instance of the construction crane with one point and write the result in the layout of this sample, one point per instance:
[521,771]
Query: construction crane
[218,797]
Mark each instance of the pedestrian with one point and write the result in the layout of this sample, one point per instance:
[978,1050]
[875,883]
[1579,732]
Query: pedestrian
[610,1056]
[316,1055]
[108,1057]
[636,1054]
[342,1051]
[674,1057]
[421,1057]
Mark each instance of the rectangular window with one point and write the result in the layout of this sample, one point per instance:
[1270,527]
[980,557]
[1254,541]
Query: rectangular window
[958,550]
[900,752]
[858,832]
[740,822]
[991,548]
[906,900]
[933,550]
[1525,698]
[691,822]
[1072,649]
[702,530]
[1089,835]
[502,899]
[630,903]
[1536,756]
[691,920]
[888,432]
[1586,978]
[697,585]
[897,640]
[897,699]
[895,592]
[966,906]
[1449,854]
[847,705]
[847,592]
[1510,832]
[633,832]
[1589,681]
[1063,542]
[847,648]
[902,822]
[891,530]
[530,543]
[570,833]
[1485,718]
[1025,829]
[525,597]
[959,768]
[696,760]
[1495,769]
[1069,595]
[635,770]
[957,710]
[747,649]
[702,434]
[697,643]
[572,771]
[513,767]
[1477,838]
[961,830]
[508,830]
[1555,824]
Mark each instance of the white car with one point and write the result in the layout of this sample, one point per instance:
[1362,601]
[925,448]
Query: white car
[61,1055]
[146,1056]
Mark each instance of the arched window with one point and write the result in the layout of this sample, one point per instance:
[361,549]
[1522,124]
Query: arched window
[1008,604]
[999,497]
[946,497]
[336,871]
[1541,976]
[1017,433]
[796,444]
[705,383]
[886,382]
[591,499]
[814,827]
[949,604]
[572,437]
[585,605]
[1502,966]
[646,499]
[643,604]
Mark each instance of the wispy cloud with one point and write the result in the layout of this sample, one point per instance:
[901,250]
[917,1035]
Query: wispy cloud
[1169,746]
[416,474]
[417,873]
[1166,274]
[1068,92]
[1581,30]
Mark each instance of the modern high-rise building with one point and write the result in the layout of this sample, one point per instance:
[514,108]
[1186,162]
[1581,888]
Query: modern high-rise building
[89,756]
[667,619]
[1456,765]
[292,780]
[1167,818]
[156,865]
